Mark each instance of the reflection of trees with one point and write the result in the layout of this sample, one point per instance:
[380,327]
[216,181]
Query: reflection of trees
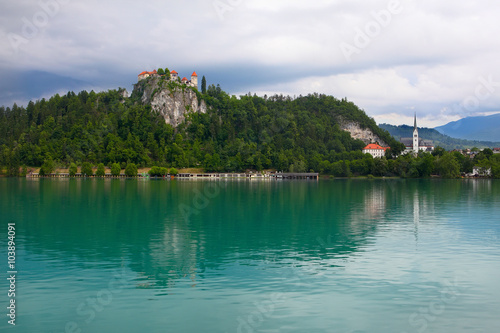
[298,221]
[173,256]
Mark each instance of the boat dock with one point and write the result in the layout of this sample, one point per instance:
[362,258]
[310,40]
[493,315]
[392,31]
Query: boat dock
[252,176]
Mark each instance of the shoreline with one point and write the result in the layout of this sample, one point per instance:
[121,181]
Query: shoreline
[236,176]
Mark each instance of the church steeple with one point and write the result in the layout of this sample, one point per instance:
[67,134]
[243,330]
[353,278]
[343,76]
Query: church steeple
[415,135]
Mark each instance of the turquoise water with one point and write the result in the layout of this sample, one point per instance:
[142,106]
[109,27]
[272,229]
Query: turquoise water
[253,256]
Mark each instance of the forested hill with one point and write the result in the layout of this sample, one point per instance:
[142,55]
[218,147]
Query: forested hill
[439,139]
[235,134]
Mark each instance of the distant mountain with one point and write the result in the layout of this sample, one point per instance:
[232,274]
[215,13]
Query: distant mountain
[486,128]
[21,87]
[439,139]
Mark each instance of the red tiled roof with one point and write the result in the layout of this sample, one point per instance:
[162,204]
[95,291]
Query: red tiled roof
[194,74]
[173,72]
[150,73]
[375,146]
[184,79]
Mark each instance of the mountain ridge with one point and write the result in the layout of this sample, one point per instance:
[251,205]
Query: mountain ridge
[479,128]
[439,139]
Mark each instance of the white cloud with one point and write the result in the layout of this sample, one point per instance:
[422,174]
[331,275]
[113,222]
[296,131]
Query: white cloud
[428,59]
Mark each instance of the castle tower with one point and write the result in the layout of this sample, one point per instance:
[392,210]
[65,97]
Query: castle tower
[415,136]
[173,75]
[194,80]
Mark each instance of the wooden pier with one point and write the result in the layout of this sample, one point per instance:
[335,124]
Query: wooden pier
[265,176]
[251,176]
[79,175]
[304,175]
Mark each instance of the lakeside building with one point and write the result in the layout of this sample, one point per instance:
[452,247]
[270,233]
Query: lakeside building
[174,76]
[375,150]
[480,172]
[416,144]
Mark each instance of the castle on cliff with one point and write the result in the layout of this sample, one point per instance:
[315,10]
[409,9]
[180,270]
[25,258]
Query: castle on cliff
[174,76]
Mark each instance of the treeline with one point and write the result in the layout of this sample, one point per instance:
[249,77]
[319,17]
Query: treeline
[236,134]
[301,134]
[439,163]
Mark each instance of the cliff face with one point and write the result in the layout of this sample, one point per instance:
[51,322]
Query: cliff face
[172,101]
[363,134]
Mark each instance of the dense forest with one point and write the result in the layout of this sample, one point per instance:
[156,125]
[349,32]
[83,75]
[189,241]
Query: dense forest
[236,134]
[439,139]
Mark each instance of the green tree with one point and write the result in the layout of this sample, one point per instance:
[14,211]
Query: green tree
[157,171]
[298,166]
[131,170]
[203,85]
[173,172]
[73,169]
[379,166]
[447,166]
[24,171]
[495,170]
[160,71]
[13,163]
[425,164]
[438,151]
[87,169]
[101,171]
[115,169]
[47,167]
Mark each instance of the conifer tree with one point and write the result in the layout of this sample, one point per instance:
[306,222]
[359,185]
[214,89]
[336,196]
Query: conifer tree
[203,85]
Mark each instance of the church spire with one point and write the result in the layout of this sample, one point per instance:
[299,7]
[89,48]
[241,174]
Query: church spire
[415,136]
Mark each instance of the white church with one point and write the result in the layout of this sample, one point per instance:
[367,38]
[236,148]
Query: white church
[415,144]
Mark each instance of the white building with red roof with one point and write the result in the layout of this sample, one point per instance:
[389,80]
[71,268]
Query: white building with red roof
[375,150]
[145,74]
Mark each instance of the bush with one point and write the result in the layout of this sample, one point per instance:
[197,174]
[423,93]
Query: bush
[101,171]
[73,169]
[115,169]
[131,170]
[24,171]
[157,171]
[87,169]
[173,171]
[47,167]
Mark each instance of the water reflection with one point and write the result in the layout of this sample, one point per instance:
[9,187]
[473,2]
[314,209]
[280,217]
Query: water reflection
[316,225]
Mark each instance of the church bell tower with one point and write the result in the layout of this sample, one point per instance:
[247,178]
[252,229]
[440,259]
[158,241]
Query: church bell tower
[415,136]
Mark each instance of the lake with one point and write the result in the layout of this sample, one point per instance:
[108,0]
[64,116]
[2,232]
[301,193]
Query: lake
[343,255]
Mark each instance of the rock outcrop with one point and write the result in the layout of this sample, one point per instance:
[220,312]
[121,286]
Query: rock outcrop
[172,100]
[363,134]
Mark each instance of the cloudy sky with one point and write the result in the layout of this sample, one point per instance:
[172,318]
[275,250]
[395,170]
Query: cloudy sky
[437,58]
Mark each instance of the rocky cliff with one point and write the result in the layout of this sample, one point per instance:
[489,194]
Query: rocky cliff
[172,100]
[363,134]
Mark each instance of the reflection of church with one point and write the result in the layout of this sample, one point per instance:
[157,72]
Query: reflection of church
[416,144]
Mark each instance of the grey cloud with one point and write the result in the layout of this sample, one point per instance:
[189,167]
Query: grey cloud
[291,46]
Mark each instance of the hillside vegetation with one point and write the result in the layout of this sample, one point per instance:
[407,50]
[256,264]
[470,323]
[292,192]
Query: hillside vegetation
[235,134]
